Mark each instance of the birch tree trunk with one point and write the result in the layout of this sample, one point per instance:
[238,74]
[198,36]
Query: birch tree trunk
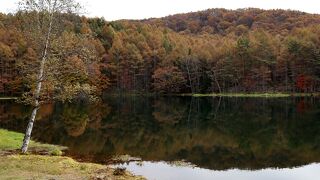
[216,80]
[189,76]
[37,92]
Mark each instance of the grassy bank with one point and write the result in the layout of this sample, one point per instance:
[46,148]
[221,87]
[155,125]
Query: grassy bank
[253,94]
[265,95]
[11,142]
[50,166]
[8,98]
[250,94]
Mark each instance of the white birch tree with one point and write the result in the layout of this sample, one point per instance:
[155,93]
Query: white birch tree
[42,31]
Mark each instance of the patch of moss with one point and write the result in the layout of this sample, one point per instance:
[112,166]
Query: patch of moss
[56,152]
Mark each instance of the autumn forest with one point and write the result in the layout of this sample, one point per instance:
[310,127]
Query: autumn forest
[212,51]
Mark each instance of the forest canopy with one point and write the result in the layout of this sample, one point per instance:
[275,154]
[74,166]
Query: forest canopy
[217,50]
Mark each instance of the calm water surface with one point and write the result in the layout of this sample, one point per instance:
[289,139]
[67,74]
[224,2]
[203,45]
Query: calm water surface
[152,170]
[221,138]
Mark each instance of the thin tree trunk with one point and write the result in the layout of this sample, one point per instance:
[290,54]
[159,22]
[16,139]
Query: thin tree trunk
[27,136]
[189,77]
[216,80]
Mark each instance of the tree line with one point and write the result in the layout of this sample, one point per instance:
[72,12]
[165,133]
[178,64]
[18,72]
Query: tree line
[218,50]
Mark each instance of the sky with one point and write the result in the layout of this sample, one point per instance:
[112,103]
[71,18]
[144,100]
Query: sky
[141,9]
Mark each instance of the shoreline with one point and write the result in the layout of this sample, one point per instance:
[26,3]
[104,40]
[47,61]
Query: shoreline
[249,94]
[257,95]
[46,161]
[8,98]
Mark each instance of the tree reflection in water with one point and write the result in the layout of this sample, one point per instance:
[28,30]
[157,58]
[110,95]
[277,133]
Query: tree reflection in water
[213,133]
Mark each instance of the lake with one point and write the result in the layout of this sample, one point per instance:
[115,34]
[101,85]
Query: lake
[185,137]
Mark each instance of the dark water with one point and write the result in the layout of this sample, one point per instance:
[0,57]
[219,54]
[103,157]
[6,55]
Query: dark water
[223,138]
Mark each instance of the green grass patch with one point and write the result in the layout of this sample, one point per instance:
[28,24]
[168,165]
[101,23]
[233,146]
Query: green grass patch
[12,141]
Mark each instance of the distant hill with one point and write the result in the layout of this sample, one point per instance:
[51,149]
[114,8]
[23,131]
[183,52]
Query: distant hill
[223,21]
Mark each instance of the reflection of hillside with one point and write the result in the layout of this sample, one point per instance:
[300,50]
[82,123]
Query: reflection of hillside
[10,111]
[75,120]
[211,133]
[168,114]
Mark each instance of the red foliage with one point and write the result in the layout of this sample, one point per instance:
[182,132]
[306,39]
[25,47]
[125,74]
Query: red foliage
[303,82]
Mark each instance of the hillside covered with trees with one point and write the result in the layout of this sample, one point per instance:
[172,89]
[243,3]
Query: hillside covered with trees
[217,50]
